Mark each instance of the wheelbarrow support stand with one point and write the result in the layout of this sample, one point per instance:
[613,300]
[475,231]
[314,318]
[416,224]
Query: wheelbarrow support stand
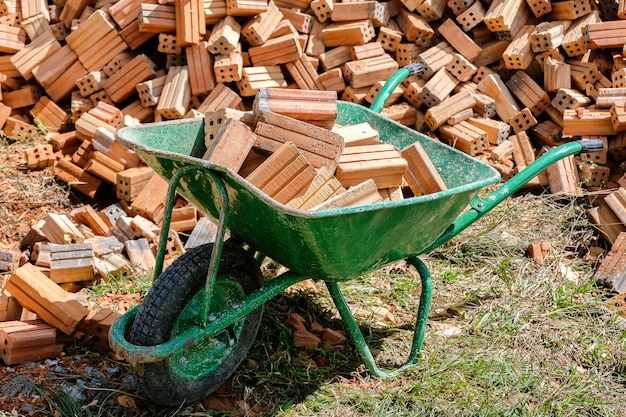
[479,207]
[418,333]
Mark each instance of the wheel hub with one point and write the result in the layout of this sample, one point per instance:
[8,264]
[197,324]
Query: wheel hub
[206,355]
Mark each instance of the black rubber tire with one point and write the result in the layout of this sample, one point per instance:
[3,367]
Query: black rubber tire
[163,305]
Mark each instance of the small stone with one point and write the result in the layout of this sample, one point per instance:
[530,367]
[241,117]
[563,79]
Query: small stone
[75,392]
[61,370]
[128,379]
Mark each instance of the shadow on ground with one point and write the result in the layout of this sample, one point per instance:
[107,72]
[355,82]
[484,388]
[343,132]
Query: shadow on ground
[277,374]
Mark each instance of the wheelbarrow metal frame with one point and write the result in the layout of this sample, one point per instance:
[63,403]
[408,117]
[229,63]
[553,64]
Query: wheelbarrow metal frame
[479,207]
[136,355]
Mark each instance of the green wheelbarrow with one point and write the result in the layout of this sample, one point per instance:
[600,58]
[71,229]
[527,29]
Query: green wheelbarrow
[202,314]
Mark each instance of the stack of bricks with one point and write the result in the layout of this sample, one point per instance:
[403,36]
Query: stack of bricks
[503,80]
[38,317]
[78,249]
[67,61]
[289,148]
[28,340]
[40,309]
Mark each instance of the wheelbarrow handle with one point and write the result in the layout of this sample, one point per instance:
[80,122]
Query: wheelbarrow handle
[481,206]
[593,145]
[395,80]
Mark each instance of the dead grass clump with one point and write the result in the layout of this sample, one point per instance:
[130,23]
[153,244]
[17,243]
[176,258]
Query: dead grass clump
[26,195]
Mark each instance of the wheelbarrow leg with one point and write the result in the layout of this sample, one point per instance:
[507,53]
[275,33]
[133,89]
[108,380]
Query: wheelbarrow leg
[219,240]
[420,323]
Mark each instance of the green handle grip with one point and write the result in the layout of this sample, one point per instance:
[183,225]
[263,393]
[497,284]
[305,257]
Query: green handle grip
[481,206]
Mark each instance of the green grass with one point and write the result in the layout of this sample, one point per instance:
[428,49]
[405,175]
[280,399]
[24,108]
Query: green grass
[534,340]
[102,403]
[137,283]
[505,337]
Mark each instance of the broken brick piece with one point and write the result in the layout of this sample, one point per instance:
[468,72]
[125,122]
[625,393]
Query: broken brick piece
[295,321]
[335,337]
[539,252]
[612,270]
[96,328]
[9,260]
[306,339]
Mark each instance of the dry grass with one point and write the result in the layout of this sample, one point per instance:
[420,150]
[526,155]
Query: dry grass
[26,195]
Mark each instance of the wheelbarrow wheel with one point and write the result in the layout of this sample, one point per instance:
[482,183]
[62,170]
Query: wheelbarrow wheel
[173,306]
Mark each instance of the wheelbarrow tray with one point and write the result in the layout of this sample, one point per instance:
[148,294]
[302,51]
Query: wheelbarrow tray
[333,244]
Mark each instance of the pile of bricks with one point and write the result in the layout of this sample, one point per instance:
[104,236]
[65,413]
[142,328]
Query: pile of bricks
[502,81]
[38,317]
[41,305]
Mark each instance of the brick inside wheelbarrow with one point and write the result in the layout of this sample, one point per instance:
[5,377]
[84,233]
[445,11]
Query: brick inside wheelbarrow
[334,244]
